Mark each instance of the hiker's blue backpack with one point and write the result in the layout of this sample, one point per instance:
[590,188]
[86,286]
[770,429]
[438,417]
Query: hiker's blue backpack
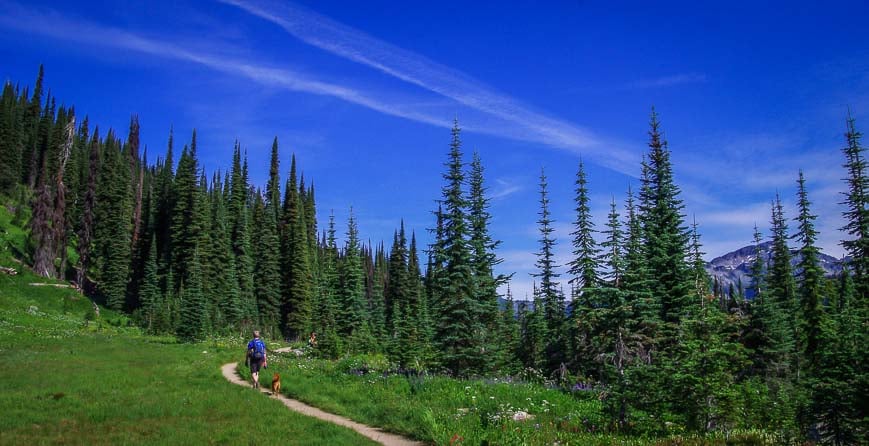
[258,350]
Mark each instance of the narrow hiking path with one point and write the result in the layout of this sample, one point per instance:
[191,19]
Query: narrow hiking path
[230,372]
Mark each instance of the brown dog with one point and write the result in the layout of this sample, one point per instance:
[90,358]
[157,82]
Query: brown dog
[276,384]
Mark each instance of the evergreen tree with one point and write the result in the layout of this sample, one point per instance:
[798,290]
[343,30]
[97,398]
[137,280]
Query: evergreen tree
[301,278]
[584,266]
[376,299]
[193,309]
[266,271]
[664,232]
[112,225]
[458,321]
[187,224]
[811,277]
[857,203]
[150,288]
[86,227]
[584,281]
[10,139]
[551,300]
[840,381]
[766,332]
[222,270]
[329,342]
[31,124]
[484,260]
[509,335]
[612,252]
[420,328]
[240,234]
[273,189]
[350,292]
[534,336]
[166,199]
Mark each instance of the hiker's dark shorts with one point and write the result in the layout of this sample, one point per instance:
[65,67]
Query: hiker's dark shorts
[255,365]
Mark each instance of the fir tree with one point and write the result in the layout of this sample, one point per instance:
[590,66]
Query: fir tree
[266,271]
[857,213]
[612,252]
[86,227]
[811,277]
[484,259]
[350,292]
[150,289]
[31,121]
[221,267]
[273,189]
[584,266]
[664,232]
[329,342]
[458,322]
[509,335]
[551,300]
[240,234]
[193,309]
[112,225]
[11,141]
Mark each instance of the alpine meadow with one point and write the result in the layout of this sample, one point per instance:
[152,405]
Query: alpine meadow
[407,291]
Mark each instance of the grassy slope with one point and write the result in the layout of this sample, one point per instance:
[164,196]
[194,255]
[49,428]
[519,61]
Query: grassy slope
[64,383]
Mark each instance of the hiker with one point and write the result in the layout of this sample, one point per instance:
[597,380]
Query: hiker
[256,357]
[312,340]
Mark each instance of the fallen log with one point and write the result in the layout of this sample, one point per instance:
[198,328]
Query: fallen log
[9,271]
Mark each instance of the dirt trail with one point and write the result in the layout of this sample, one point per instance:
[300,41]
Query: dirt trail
[385,438]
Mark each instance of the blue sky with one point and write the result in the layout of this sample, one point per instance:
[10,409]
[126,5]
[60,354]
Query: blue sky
[364,93]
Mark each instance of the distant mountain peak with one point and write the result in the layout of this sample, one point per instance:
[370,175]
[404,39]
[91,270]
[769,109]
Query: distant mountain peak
[734,266]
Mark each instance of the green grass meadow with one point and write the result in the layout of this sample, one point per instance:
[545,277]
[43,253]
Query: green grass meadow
[66,382]
[468,412]
[63,385]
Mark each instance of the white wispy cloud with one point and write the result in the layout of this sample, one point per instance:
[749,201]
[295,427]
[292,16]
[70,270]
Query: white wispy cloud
[514,119]
[50,23]
[668,81]
[504,188]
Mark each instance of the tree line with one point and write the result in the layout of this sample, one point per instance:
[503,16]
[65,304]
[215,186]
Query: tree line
[641,323]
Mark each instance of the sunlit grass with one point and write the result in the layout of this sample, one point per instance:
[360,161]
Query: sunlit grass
[449,411]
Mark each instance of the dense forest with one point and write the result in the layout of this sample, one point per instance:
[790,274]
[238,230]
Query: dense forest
[194,254]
